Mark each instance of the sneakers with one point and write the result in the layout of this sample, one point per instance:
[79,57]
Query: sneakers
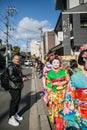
[17,117]
[12,121]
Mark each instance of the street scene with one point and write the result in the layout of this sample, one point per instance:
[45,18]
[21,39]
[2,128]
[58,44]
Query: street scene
[29,108]
[43,65]
[24,107]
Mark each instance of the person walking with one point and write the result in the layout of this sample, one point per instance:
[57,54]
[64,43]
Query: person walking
[56,83]
[16,83]
[73,67]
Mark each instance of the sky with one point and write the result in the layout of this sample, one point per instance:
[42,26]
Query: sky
[27,18]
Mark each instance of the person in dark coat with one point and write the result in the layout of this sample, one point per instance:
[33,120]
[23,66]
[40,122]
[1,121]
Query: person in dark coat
[16,83]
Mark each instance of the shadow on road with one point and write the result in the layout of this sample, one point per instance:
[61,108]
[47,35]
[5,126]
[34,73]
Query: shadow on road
[3,115]
[29,101]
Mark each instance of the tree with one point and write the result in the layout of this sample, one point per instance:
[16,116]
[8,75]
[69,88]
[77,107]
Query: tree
[0,42]
[16,50]
[23,54]
[2,62]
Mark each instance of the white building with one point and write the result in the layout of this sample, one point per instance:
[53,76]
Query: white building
[35,48]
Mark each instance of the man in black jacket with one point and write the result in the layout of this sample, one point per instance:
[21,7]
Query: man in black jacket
[16,79]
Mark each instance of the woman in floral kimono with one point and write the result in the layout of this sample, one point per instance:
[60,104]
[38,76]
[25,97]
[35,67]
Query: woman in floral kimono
[46,69]
[56,83]
[75,110]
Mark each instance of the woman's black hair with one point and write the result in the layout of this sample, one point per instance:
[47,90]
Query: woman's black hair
[80,58]
[73,63]
[56,58]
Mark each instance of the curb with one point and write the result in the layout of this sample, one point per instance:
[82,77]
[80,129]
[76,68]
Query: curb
[44,123]
[33,119]
[38,117]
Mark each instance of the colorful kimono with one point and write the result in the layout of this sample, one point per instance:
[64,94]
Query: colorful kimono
[46,69]
[76,101]
[57,93]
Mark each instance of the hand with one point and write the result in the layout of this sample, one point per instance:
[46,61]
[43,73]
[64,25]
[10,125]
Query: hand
[55,83]
[83,47]
[49,90]
[59,83]
[24,78]
[84,55]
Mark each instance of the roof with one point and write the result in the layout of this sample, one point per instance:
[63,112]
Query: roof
[58,24]
[79,8]
[60,4]
[52,50]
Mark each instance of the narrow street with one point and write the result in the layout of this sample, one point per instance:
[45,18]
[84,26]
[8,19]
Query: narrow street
[32,107]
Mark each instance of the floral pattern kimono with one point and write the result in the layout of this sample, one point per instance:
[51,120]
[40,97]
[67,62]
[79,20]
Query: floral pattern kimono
[57,93]
[75,106]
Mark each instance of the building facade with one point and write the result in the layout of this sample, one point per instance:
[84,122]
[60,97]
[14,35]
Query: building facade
[72,23]
[49,41]
[35,48]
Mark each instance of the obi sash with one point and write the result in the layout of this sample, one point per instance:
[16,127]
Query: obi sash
[58,79]
[81,94]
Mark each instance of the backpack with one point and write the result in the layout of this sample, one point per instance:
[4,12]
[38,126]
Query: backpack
[5,79]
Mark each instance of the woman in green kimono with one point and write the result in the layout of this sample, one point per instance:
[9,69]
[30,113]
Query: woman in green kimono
[56,82]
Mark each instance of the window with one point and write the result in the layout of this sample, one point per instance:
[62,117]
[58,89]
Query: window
[83,20]
[81,1]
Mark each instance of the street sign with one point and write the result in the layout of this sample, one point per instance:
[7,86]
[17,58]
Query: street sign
[60,36]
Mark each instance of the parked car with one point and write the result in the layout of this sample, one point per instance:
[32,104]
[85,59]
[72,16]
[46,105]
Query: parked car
[28,63]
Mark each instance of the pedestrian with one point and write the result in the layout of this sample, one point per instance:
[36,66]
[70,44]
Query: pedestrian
[76,97]
[83,47]
[46,69]
[57,79]
[40,69]
[16,83]
[73,67]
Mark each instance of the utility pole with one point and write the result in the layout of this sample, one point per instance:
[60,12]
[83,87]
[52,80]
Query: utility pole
[27,50]
[9,12]
[42,42]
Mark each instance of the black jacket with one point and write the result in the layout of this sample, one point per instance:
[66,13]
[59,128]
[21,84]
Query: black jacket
[15,76]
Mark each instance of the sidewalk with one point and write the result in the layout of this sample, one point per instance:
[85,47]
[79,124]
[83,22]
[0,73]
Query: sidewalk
[38,112]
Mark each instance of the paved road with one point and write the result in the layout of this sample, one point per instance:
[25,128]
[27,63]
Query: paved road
[32,106]
[24,106]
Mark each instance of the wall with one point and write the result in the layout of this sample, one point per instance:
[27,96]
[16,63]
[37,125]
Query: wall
[66,34]
[72,3]
[49,40]
[80,34]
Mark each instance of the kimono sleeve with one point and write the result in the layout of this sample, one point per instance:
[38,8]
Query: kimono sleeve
[72,81]
[48,80]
